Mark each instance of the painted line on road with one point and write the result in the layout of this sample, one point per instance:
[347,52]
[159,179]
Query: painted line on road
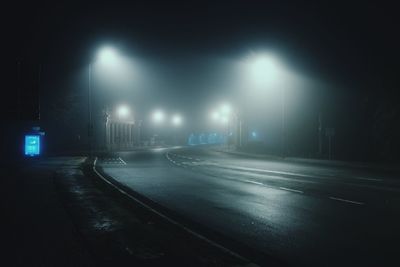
[368,179]
[348,201]
[122,161]
[165,217]
[259,170]
[291,190]
[285,173]
[253,182]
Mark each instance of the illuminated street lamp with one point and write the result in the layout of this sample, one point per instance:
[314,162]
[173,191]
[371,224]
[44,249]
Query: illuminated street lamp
[158,116]
[107,56]
[176,120]
[216,116]
[225,109]
[123,112]
[224,115]
[265,70]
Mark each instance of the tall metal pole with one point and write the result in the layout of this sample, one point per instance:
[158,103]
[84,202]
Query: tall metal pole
[90,127]
[139,132]
[320,135]
[283,123]
[240,132]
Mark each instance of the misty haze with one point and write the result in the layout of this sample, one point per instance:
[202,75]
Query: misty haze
[200,133]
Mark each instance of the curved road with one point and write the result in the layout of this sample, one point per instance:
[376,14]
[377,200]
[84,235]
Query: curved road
[302,213]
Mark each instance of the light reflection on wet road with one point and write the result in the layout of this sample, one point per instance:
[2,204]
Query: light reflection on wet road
[301,213]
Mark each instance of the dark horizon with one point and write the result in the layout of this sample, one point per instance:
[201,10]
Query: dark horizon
[347,52]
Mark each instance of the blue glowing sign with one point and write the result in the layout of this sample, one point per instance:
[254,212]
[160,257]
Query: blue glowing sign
[32,145]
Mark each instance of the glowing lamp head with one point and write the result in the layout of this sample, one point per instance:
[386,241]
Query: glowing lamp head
[107,55]
[177,120]
[225,109]
[215,115]
[123,111]
[158,116]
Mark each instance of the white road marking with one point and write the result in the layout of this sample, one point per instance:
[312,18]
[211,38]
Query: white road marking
[253,182]
[261,170]
[285,173]
[122,161]
[348,201]
[291,190]
[368,179]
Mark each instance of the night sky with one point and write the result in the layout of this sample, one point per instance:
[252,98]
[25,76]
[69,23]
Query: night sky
[348,49]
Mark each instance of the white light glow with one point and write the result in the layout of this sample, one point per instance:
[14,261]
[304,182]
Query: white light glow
[224,119]
[158,116]
[264,69]
[215,115]
[226,109]
[123,111]
[176,120]
[107,55]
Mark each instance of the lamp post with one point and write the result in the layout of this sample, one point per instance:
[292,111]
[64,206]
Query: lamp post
[106,55]
[90,126]
[265,70]
[176,122]
[158,118]
[224,115]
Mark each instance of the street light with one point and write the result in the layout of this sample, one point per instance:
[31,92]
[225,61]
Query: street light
[224,115]
[215,116]
[225,109]
[158,116]
[123,111]
[176,120]
[107,56]
[266,70]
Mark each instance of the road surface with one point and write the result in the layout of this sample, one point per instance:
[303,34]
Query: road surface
[301,213]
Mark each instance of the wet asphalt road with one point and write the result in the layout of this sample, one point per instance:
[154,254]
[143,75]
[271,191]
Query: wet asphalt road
[302,213]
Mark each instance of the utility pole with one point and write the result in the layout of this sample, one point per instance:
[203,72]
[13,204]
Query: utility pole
[330,133]
[320,135]
[90,126]
[283,118]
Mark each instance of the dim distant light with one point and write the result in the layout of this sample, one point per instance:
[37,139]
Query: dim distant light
[225,109]
[158,116]
[123,111]
[215,115]
[176,120]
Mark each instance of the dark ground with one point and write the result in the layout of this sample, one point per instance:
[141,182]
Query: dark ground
[55,216]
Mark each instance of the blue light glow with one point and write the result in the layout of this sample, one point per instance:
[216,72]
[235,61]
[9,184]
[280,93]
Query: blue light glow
[32,145]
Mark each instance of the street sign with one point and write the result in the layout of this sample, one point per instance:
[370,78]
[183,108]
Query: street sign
[32,145]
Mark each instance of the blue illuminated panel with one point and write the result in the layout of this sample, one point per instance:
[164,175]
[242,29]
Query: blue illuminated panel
[32,145]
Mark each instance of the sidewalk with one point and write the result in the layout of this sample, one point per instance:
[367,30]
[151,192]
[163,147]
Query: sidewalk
[36,229]
[57,215]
